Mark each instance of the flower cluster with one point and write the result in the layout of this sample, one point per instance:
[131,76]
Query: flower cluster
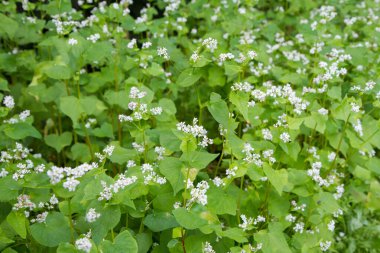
[120,184]
[196,131]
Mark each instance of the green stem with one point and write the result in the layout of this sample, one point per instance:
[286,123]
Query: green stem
[71,221]
[339,143]
[88,141]
[239,200]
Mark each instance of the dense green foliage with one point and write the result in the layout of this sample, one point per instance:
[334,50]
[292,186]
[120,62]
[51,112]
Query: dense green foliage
[191,126]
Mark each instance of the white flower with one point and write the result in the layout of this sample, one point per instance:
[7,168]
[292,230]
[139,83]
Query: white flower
[131,164]
[231,172]
[194,57]
[9,102]
[147,44]
[108,150]
[177,205]
[156,110]
[24,115]
[132,43]
[196,131]
[218,181]
[339,191]
[94,37]
[355,107]
[72,42]
[290,218]
[252,54]
[323,111]
[71,184]
[208,248]
[92,215]
[40,218]
[125,118]
[198,194]
[3,173]
[83,244]
[246,222]
[285,137]
[331,225]
[267,135]
[210,44]
[53,200]
[299,227]
[162,51]
[358,127]
[325,245]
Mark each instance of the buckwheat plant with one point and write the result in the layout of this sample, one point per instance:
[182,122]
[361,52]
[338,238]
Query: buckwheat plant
[189,126]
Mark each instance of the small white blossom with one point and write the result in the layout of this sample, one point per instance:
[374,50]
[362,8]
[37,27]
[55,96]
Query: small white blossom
[290,218]
[325,245]
[231,172]
[285,137]
[92,215]
[299,227]
[323,111]
[72,42]
[208,248]
[94,37]
[83,244]
[9,102]
[210,44]
[331,225]
[162,51]
[218,181]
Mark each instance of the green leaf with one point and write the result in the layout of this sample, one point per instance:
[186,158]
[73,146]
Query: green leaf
[116,98]
[72,107]
[122,155]
[342,111]
[58,142]
[216,77]
[55,230]
[17,222]
[98,51]
[109,218]
[231,69]
[21,130]
[66,248]
[220,202]
[219,109]
[3,85]
[188,77]
[188,145]
[278,178]
[167,106]
[58,71]
[155,70]
[124,242]
[8,26]
[188,219]
[240,100]
[81,152]
[105,130]
[171,167]
[236,234]
[160,221]
[144,242]
[198,159]
[92,106]
[292,149]
[9,189]
[273,242]
[326,202]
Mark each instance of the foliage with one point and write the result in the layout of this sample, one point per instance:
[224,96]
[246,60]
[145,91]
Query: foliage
[189,126]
